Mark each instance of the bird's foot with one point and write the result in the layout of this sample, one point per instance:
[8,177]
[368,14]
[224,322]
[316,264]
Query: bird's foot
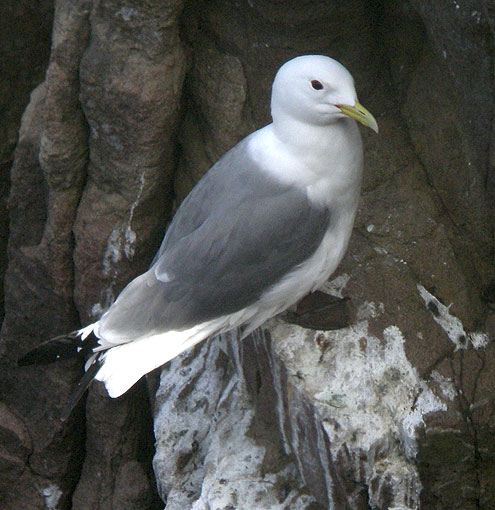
[320,311]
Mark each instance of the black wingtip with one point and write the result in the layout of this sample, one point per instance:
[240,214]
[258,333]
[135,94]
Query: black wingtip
[81,387]
[47,354]
[68,346]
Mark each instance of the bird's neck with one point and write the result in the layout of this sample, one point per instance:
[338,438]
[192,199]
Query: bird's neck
[301,135]
[326,161]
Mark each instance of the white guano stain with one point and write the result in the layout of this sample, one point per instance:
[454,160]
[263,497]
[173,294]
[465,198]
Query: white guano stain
[130,235]
[370,387]
[228,470]
[52,495]
[122,239]
[367,396]
[336,286]
[127,13]
[370,310]
[121,242]
[451,324]
[479,339]
[113,252]
[445,384]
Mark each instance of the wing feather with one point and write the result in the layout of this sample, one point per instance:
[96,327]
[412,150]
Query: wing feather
[236,234]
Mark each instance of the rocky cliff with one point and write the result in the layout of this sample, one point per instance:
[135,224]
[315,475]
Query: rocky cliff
[394,411]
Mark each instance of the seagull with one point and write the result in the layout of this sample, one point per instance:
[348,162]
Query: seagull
[266,225]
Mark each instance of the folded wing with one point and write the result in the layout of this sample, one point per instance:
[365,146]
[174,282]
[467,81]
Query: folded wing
[237,234]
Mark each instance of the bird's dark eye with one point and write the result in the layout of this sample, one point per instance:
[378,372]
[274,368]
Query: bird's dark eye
[316,84]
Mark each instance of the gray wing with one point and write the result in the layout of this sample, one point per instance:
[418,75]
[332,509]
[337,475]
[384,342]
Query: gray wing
[236,234]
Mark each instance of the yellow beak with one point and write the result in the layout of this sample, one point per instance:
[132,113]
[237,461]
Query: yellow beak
[361,114]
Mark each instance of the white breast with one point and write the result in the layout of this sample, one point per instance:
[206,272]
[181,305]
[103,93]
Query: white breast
[325,161]
[327,165]
[314,272]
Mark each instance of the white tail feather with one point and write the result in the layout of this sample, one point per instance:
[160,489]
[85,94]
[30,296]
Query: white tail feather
[125,364]
[85,332]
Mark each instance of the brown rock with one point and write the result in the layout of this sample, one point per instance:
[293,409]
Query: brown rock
[335,414]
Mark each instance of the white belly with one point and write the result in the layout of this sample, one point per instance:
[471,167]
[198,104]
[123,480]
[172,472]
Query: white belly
[305,278]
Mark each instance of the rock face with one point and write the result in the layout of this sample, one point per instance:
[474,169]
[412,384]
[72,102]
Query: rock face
[214,448]
[25,41]
[87,176]
[394,411]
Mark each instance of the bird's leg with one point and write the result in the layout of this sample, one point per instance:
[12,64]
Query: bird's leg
[320,311]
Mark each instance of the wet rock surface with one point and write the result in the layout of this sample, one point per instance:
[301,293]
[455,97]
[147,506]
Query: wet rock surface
[394,410]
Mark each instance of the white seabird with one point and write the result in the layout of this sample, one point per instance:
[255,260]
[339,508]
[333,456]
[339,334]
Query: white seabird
[268,223]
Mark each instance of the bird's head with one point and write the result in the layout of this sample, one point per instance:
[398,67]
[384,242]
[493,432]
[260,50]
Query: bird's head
[317,90]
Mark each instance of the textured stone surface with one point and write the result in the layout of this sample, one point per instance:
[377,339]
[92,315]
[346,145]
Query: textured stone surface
[116,473]
[213,447]
[131,81]
[74,180]
[138,101]
[25,41]
[448,104]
